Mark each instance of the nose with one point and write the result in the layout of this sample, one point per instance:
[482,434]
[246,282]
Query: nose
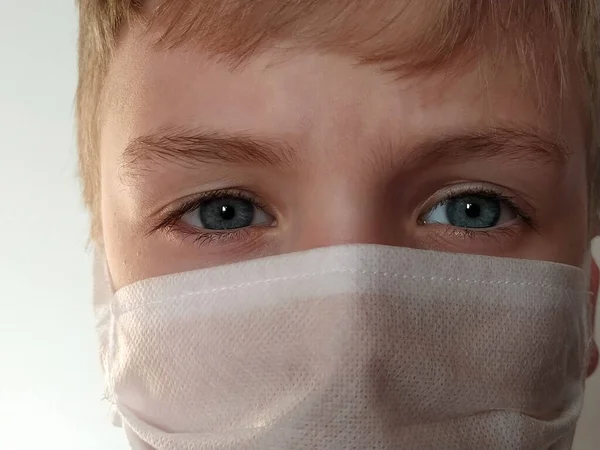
[344,216]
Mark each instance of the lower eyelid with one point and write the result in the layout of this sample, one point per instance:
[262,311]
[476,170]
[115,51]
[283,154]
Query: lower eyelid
[187,233]
[508,228]
[453,239]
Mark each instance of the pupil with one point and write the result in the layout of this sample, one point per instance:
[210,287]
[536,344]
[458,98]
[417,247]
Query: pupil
[227,212]
[473,210]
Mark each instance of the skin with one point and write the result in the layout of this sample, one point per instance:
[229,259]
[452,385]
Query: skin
[353,134]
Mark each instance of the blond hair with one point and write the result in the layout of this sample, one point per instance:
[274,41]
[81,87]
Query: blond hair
[437,31]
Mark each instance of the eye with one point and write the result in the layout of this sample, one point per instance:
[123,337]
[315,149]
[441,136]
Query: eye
[473,211]
[226,213]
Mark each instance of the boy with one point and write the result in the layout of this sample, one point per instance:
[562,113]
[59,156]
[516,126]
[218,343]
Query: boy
[214,133]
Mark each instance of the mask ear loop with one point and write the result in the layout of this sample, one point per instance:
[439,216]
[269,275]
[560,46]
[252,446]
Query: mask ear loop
[594,319]
[589,261]
[105,326]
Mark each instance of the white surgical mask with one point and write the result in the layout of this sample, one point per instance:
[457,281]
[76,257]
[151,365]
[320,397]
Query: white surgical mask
[350,347]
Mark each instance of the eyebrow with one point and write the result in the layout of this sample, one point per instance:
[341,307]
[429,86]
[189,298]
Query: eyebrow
[192,148]
[507,143]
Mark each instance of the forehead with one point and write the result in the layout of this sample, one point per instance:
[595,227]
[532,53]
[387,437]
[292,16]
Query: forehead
[306,92]
[278,47]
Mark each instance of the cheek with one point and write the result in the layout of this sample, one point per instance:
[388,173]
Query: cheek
[568,238]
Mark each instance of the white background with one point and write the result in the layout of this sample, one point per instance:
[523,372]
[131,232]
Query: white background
[50,382]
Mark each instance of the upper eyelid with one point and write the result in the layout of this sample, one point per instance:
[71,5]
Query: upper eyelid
[481,187]
[234,193]
[455,191]
[197,199]
[452,192]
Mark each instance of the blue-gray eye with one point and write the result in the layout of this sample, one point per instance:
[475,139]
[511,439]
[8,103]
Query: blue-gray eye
[226,213]
[470,211]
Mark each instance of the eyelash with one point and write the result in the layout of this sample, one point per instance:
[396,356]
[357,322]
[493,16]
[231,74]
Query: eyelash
[172,222]
[488,194]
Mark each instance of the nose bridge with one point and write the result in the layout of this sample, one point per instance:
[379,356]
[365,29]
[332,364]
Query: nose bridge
[343,213]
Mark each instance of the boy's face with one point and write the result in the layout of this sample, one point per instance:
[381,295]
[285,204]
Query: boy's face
[203,166]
